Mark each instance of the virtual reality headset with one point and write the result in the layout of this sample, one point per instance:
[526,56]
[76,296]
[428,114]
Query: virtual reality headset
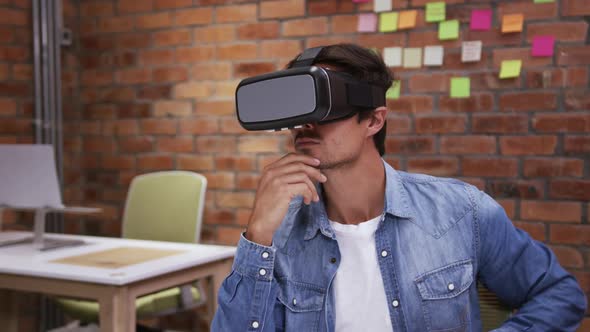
[303,94]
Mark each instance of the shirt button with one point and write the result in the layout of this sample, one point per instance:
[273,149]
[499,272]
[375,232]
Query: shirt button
[255,324]
[265,255]
[262,272]
[384,253]
[333,260]
[294,301]
[395,303]
[451,287]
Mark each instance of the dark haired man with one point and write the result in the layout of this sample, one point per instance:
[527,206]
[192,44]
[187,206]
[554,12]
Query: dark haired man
[340,241]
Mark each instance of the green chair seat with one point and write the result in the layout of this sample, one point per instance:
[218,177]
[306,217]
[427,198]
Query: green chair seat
[146,306]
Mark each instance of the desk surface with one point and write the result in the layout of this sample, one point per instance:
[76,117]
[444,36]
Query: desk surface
[23,259]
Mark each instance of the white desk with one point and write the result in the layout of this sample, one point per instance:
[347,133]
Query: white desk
[24,268]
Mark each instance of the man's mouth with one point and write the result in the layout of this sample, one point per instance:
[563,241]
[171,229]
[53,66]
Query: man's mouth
[303,141]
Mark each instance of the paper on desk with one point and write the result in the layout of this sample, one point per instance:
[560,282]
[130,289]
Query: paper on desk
[543,46]
[407,19]
[433,55]
[388,22]
[448,30]
[460,87]
[392,56]
[367,22]
[435,11]
[117,257]
[510,68]
[412,57]
[471,51]
[394,91]
[382,5]
[512,23]
[481,19]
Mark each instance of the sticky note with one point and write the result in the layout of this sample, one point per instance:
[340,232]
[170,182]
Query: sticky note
[394,91]
[543,46]
[392,56]
[448,30]
[435,11]
[382,6]
[481,20]
[412,57]
[460,87]
[407,19]
[367,22]
[471,51]
[512,23]
[510,68]
[388,22]
[433,55]
[543,1]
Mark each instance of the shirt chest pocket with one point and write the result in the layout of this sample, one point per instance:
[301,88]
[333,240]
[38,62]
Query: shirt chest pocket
[303,305]
[445,297]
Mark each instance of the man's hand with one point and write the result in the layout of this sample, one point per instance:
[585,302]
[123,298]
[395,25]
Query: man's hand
[293,175]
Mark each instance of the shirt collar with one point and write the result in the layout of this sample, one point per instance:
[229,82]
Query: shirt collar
[396,204]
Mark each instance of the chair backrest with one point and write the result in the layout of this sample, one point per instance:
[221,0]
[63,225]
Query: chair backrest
[165,206]
[493,312]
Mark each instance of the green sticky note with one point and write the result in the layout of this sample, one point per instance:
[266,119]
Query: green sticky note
[394,91]
[544,1]
[448,30]
[510,68]
[388,22]
[460,87]
[435,11]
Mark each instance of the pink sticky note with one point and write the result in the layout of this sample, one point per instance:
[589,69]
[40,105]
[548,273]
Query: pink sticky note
[367,22]
[481,19]
[543,45]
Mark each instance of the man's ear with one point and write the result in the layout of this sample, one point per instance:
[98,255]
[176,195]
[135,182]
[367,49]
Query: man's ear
[377,120]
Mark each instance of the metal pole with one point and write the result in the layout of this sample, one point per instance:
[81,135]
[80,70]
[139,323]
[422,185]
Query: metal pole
[38,121]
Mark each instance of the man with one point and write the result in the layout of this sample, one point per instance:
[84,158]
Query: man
[340,241]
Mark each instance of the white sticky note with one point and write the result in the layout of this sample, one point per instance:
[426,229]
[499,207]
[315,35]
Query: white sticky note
[433,55]
[392,56]
[471,51]
[382,6]
[412,57]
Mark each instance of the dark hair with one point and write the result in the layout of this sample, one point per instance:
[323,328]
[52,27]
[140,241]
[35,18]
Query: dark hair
[365,65]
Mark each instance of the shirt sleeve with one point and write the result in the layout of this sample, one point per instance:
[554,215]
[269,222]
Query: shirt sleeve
[247,296]
[525,274]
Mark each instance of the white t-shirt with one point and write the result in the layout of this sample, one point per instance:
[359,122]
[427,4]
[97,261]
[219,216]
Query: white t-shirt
[359,294]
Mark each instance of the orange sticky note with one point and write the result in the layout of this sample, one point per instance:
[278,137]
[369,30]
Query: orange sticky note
[512,23]
[407,19]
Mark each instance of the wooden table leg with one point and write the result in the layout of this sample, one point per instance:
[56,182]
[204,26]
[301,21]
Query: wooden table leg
[117,311]
[8,312]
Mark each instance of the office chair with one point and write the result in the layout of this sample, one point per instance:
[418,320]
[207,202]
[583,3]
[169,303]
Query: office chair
[493,312]
[160,206]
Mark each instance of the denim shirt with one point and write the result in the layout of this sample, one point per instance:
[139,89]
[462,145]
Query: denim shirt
[438,238]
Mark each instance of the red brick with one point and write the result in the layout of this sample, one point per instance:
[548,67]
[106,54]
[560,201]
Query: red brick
[562,31]
[305,27]
[193,16]
[551,211]
[216,107]
[172,108]
[153,21]
[154,92]
[155,162]
[468,145]
[253,68]
[211,71]
[577,144]
[209,144]
[280,49]
[175,144]
[573,55]
[568,257]
[409,145]
[553,167]
[570,189]
[100,111]
[398,125]
[575,8]
[258,144]
[96,8]
[135,110]
[527,145]
[134,76]
[236,13]
[118,162]
[321,41]
[493,37]
[199,126]
[7,107]
[16,89]
[248,181]
[261,30]
[172,37]
[156,57]
[528,101]
[490,167]
[499,124]
[523,189]
[229,235]
[136,144]
[237,52]
[168,4]
[215,34]
[381,40]
[535,12]
[158,126]
[440,166]
[440,124]
[524,54]
[416,3]
[14,17]
[132,6]
[570,234]
[452,61]
[423,38]
[195,163]
[411,104]
[536,230]
[562,122]
[482,102]
[14,54]
[233,162]
[120,128]
[15,126]
[344,23]
[220,180]
[170,74]
[234,199]
[135,40]
[557,77]
[436,82]
[576,100]
[6,35]
[508,205]
[114,24]
[329,7]
[195,54]
[21,72]
[282,9]
[490,80]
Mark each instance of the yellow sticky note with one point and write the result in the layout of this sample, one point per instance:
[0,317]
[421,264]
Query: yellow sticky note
[388,22]
[435,11]
[460,87]
[448,30]
[407,19]
[510,68]
[394,91]
[512,23]
[412,57]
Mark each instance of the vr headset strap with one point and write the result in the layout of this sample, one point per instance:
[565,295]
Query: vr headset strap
[306,58]
[365,95]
